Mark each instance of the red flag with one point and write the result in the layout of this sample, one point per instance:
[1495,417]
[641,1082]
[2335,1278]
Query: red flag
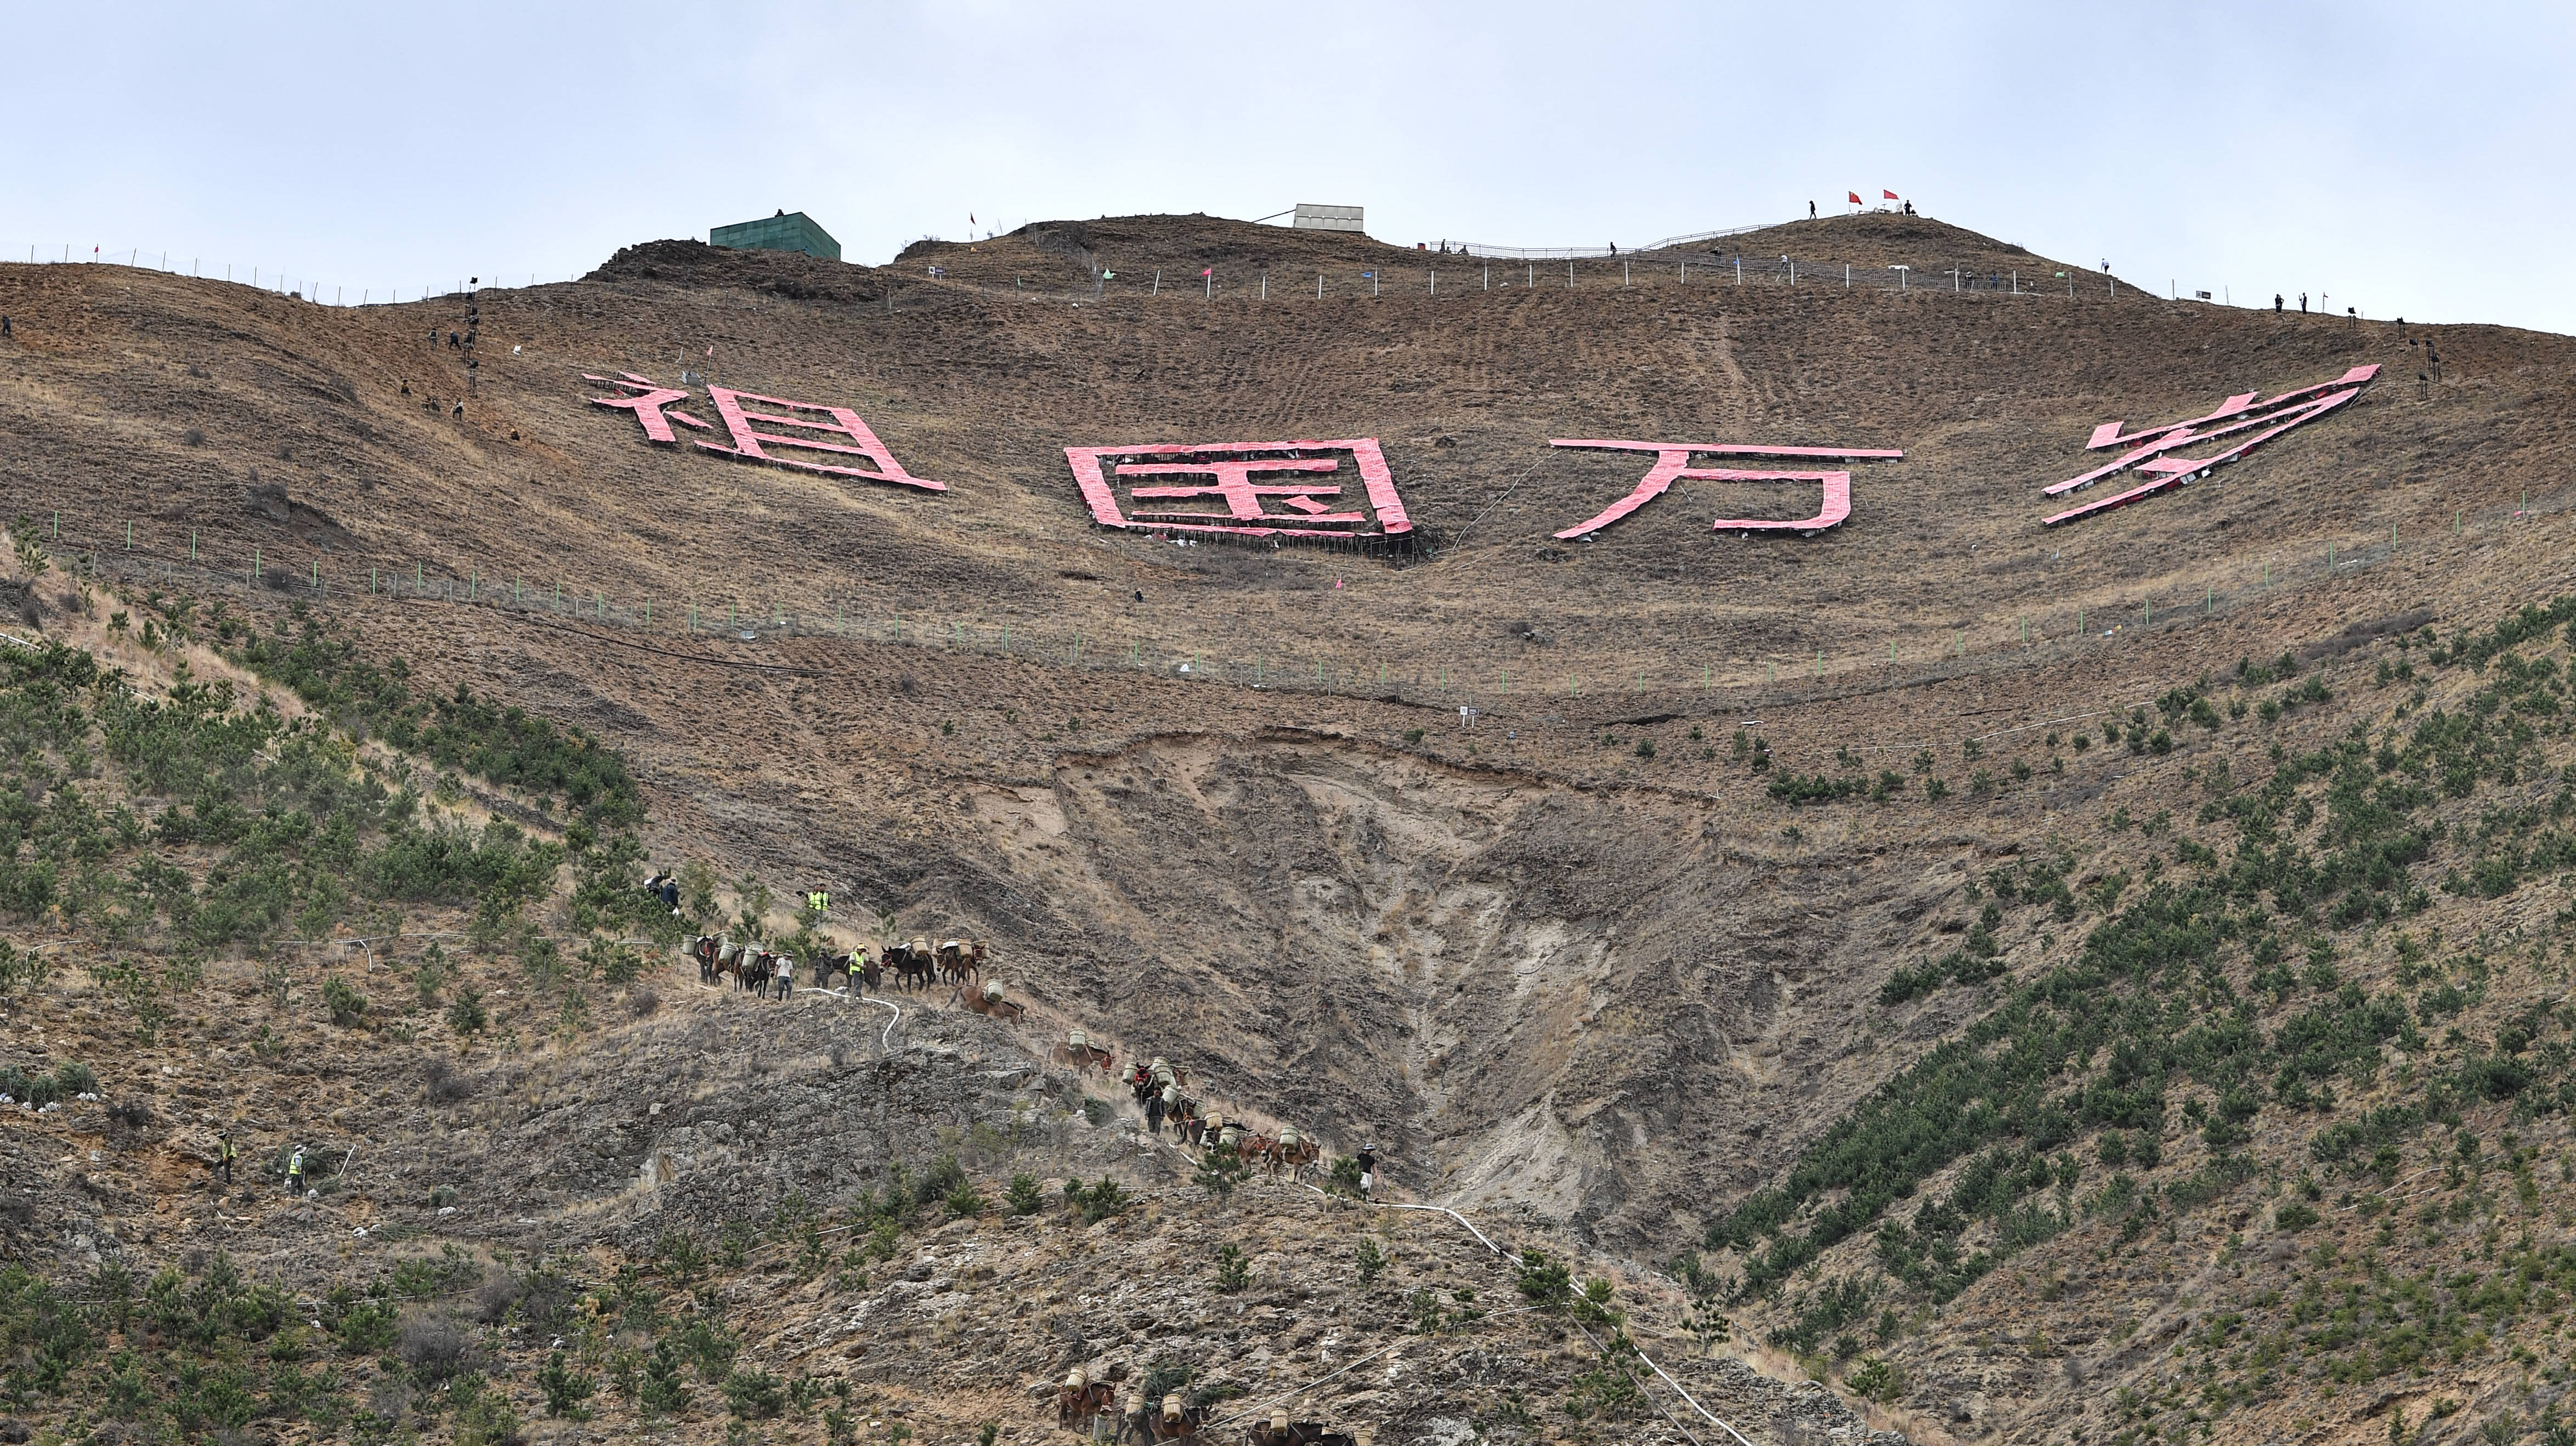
[1891,195]
[1211,271]
[1855,195]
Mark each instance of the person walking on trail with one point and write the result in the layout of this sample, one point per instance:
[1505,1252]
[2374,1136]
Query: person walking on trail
[225,1153]
[786,975]
[1368,1171]
[671,894]
[5,329]
[295,1172]
[2303,302]
[1154,1108]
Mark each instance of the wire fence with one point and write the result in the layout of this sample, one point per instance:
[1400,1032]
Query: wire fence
[1560,253]
[281,281]
[1433,276]
[1473,270]
[1480,682]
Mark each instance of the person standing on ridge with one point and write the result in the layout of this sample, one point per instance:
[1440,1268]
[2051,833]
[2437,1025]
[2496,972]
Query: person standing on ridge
[225,1154]
[2276,303]
[1368,1171]
[2303,303]
[1154,1108]
[295,1172]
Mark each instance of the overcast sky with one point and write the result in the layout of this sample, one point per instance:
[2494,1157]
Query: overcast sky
[2410,160]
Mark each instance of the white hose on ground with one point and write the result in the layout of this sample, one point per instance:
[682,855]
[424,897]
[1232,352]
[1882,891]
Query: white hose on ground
[882,1039]
[1641,1354]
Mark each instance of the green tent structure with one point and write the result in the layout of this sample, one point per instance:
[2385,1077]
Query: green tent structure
[786,231]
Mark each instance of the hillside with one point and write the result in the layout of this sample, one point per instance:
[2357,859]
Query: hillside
[1601,970]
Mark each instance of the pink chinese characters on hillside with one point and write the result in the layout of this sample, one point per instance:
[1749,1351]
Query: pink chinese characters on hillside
[655,406]
[1251,489]
[1672,464]
[2155,452]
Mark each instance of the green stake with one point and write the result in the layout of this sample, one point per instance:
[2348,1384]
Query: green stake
[254,560]
[317,574]
[416,584]
[1891,652]
[648,613]
[474,587]
[2209,599]
[129,535]
[371,582]
[2151,612]
[192,544]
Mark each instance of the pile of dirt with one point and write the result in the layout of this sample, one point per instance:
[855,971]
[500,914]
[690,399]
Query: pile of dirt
[790,274]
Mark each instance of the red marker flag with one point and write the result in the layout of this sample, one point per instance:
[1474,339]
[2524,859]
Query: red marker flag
[1210,271]
[1855,197]
[1891,195]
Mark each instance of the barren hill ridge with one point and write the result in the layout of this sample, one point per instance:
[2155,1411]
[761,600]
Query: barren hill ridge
[2029,981]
